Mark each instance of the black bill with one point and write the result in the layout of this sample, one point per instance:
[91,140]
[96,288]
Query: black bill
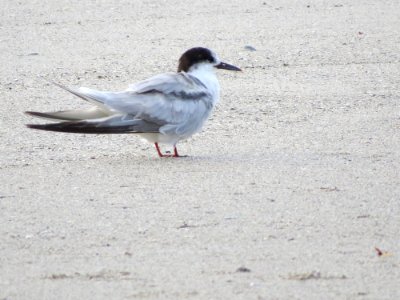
[226,66]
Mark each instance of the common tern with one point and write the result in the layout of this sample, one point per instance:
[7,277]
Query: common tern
[166,108]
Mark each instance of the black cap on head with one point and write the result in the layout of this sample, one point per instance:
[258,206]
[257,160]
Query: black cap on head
[194,56]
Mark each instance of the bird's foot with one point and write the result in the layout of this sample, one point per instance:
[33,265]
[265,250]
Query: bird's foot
[168,153]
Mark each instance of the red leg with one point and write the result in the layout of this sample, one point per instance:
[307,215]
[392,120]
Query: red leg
[176,154]
[158,150]
[160,154]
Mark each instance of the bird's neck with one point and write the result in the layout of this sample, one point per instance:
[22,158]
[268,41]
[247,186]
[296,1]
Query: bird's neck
[206,74]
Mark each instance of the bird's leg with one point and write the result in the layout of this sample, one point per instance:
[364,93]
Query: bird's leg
[176,154]
[158,150]
[160,154]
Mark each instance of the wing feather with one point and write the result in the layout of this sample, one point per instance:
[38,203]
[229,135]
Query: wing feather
[71,115]
[170,98]
[174,103]
[113,124]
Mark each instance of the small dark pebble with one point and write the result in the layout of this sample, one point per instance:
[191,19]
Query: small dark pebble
[185,225]
[379,252]
[58,276]
[363,216]
[243,270]
[250,48]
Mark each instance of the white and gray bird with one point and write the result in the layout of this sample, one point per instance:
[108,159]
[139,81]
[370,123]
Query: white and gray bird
[166,108]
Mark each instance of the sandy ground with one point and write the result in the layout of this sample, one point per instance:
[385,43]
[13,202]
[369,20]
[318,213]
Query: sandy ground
[284,195]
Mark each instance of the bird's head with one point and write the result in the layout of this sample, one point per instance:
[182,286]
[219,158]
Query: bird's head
[194,57]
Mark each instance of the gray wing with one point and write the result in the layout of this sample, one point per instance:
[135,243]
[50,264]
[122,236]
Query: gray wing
[171,98]
[175,103]
[170,83]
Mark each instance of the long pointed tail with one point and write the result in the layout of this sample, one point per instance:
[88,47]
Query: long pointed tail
[79,127]
[71,115]
[115,124]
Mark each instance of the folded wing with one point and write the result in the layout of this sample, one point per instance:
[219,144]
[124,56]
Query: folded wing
[170,98]
[172,103]
[115,124]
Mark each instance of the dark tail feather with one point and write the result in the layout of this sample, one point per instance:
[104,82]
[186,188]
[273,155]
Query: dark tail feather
[81,127]
[133,126]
